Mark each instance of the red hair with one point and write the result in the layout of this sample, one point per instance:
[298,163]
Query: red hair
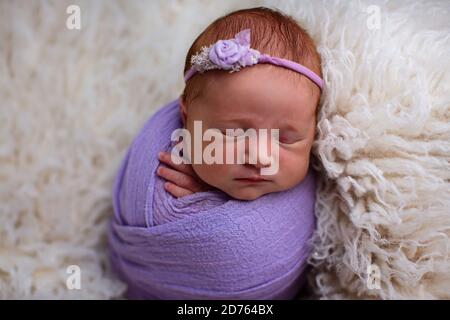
[272,32]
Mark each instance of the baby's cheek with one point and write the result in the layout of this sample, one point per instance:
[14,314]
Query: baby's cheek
[292,168]
[283,162]
[210,173]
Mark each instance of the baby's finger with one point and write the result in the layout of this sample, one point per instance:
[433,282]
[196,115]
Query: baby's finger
[179,178]
[166,158]
[175,190]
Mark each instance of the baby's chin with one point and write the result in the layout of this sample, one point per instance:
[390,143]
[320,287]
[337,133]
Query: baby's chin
[253,192]
[246,196]
[248,193]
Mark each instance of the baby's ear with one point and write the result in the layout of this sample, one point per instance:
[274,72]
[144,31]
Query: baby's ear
[183,110]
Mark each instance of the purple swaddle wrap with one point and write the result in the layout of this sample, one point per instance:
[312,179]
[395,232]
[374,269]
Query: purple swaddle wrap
[206,245]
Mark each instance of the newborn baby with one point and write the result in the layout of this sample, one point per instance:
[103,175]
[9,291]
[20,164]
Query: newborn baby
[178,242]
[265,95]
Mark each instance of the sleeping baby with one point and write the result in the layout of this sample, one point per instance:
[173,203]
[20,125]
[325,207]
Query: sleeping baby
[239,229]
[271,94]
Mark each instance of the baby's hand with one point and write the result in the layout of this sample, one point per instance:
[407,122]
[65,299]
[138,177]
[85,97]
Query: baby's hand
[182,180]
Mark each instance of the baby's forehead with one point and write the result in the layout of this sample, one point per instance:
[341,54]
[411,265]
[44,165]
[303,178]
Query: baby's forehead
[253,114]
[262,76]
[258,89]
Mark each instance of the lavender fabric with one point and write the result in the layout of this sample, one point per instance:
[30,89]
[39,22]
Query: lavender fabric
[206,245]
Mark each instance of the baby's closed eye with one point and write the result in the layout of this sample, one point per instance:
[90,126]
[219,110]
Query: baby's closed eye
[284,137]
[289,139]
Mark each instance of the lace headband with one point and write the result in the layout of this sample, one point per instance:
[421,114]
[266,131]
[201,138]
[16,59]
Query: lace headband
[234,54]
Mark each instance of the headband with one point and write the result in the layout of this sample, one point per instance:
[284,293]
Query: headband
[234,54]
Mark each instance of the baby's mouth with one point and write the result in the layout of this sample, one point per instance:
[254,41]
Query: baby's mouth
[254,179]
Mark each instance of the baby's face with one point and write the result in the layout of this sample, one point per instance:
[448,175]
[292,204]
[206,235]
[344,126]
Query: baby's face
[260,97]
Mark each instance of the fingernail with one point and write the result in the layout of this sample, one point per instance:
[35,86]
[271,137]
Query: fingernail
[160,155]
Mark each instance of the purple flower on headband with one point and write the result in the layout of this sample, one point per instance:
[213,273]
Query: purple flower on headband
[234,53]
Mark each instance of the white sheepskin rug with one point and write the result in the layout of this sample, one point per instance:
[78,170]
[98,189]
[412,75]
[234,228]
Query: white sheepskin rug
[72,100]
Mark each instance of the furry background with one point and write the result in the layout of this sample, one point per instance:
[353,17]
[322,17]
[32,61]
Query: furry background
[72,100]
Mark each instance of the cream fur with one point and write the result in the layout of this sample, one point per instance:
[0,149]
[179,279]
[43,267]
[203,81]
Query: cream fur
[71,101]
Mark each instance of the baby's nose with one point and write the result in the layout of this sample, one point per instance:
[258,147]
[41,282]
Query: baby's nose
[263,161]
[260,154]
